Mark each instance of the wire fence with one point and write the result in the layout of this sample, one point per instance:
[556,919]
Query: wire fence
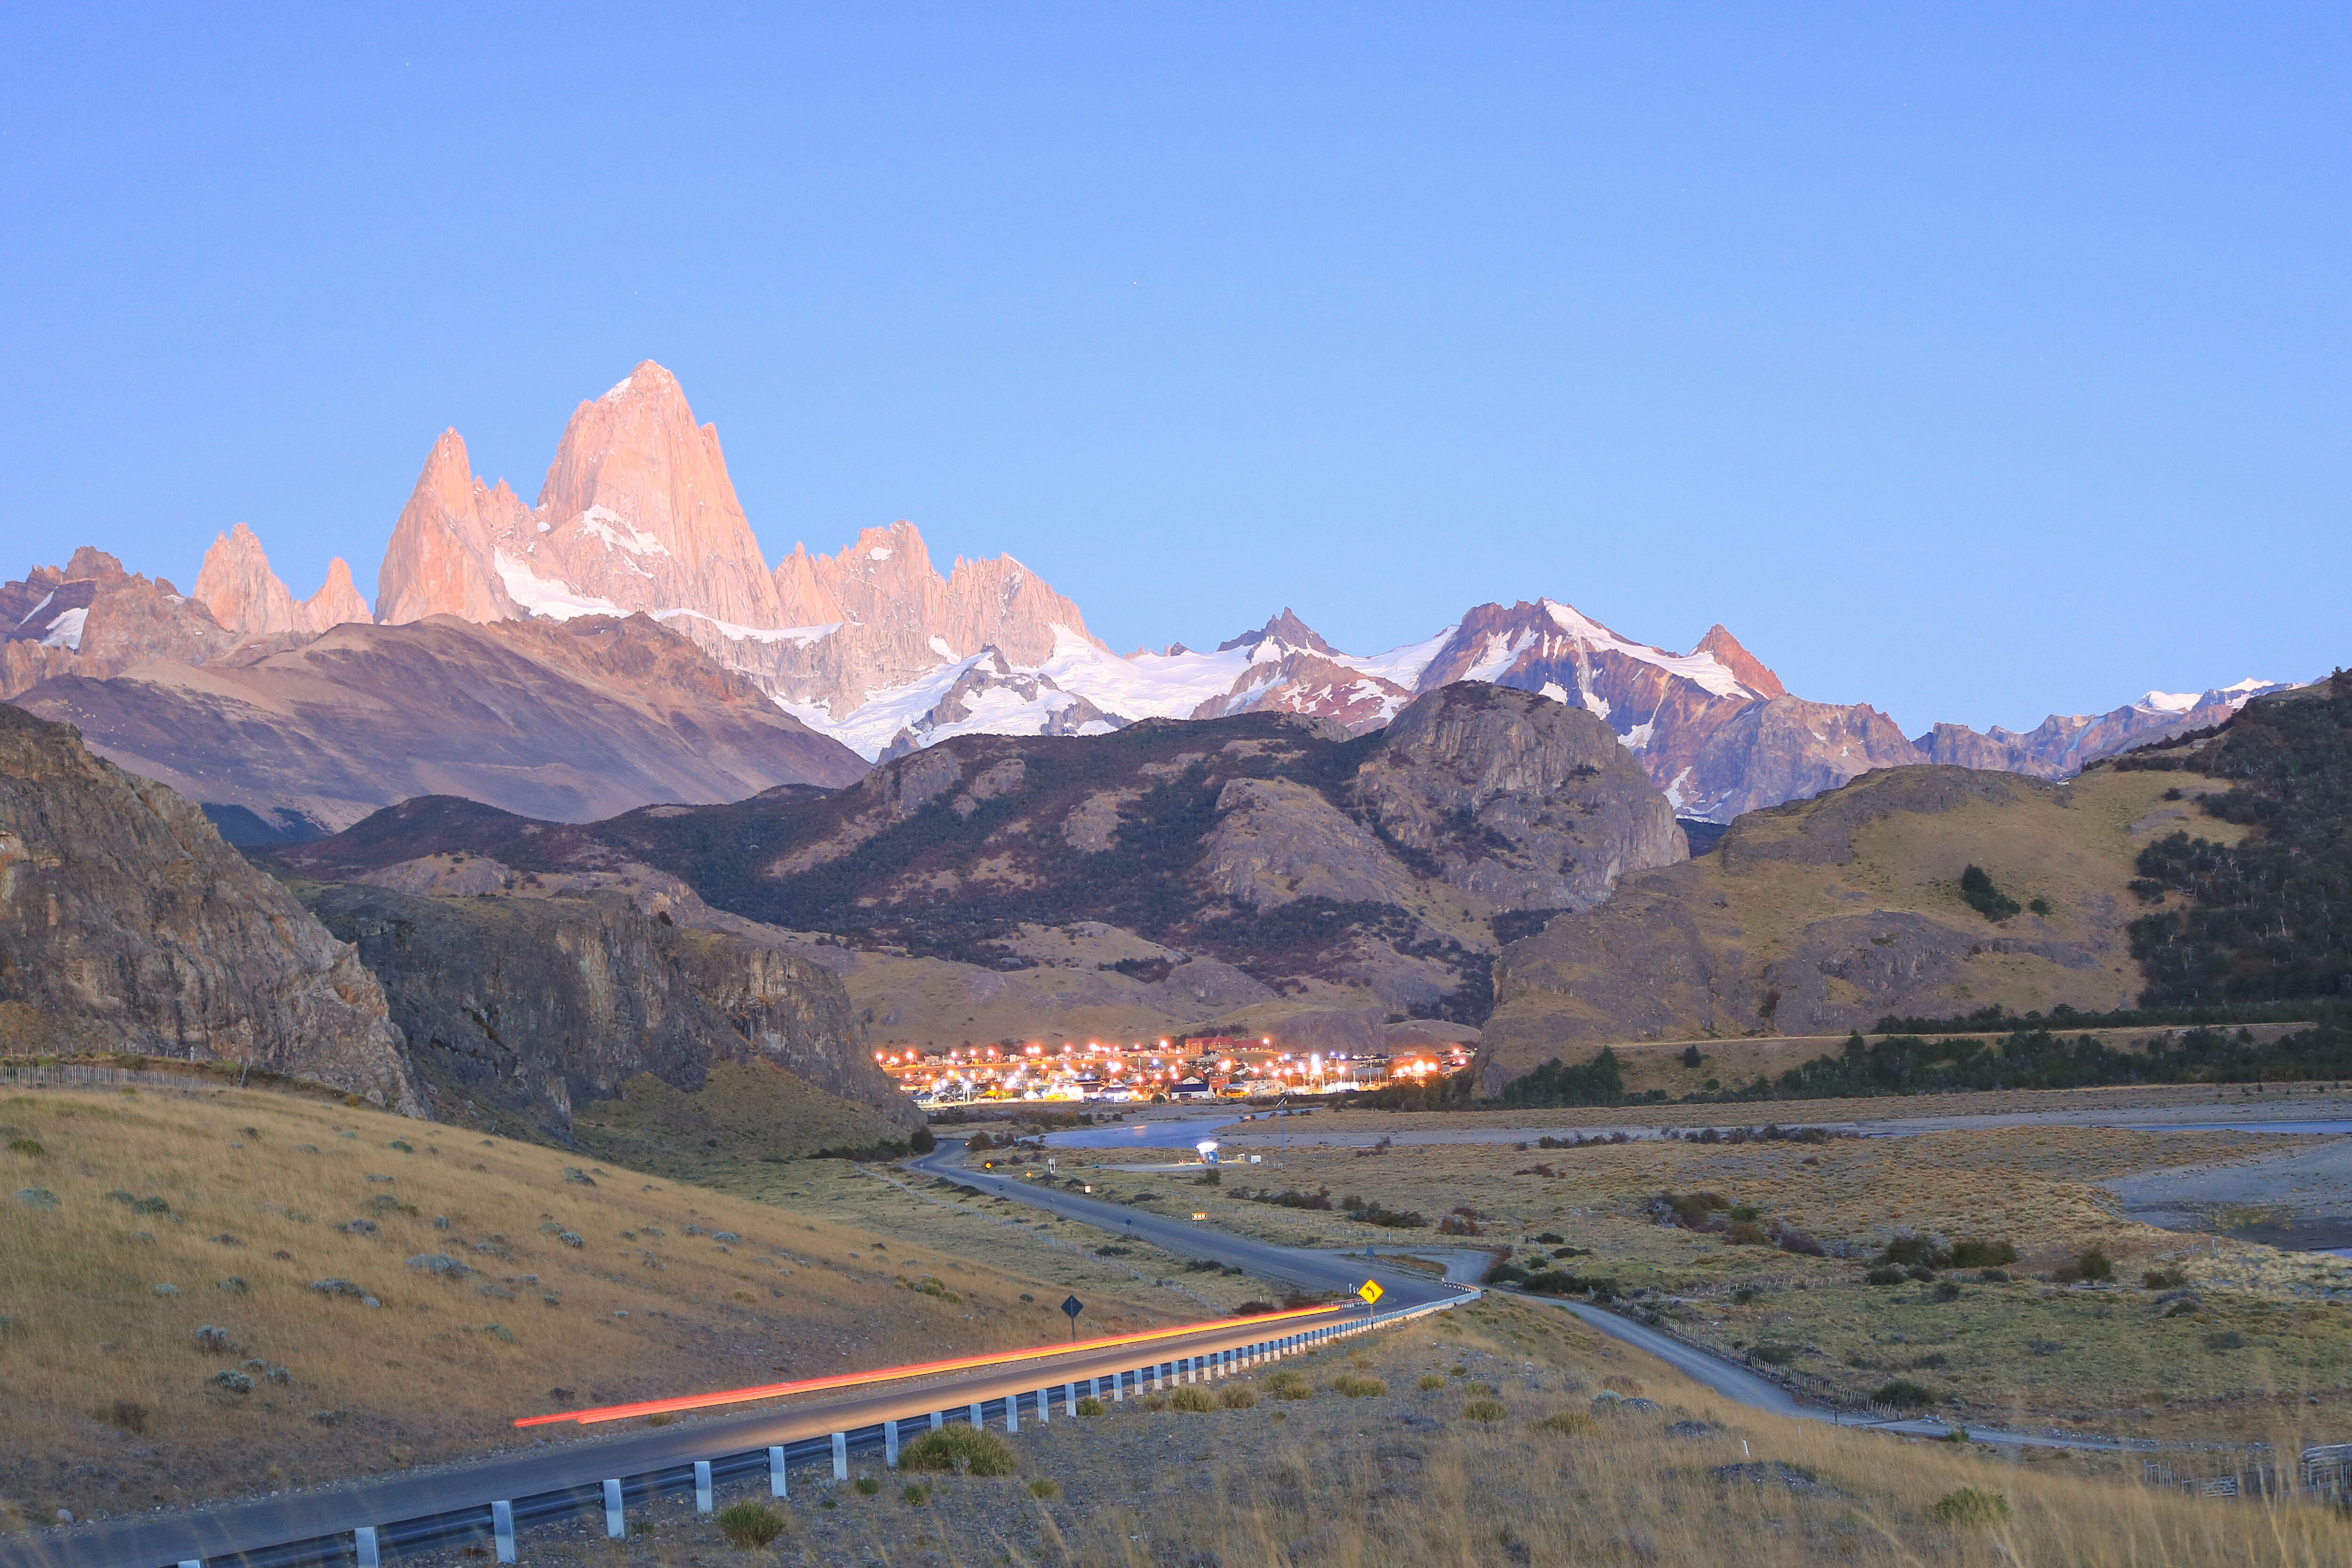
[34,1074]
[2322,1474]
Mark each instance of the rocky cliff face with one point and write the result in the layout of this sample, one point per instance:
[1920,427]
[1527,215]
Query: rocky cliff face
[127,925]
[570,720]
[92,618]
[1524,801]
[527,1006]
[243,594]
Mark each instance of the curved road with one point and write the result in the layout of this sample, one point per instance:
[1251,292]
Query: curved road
[1334,1270]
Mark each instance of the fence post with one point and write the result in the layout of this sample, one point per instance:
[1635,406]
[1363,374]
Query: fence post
[1069,1400]
[939,1419]
[841,1456]
[363,1546]
[890,1445]
[1012,1412]
[978,1417]
[615,1527]
[502,1529]
[776,1483]
[702,1486]
[1117,1386]
[1045,1406]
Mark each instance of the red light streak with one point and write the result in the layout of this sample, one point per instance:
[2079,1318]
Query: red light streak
[890,1374]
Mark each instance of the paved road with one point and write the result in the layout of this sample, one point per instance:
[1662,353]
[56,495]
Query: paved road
[1307,1270]
[1320,1269]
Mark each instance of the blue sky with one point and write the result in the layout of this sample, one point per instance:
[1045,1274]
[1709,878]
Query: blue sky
[1974,361]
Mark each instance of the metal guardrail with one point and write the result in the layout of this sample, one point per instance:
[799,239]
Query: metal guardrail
[477,1522]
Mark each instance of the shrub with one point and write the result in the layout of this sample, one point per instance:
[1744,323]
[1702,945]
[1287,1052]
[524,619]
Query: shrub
[1549,1239]
[1903,1391]
[1982,1255]
[1155,1402]
[1238,1397]
[913,1495]
[1978,893]
[1429,1380]
[1968,1509]
[1484,1410]
[967,1450]
[1090,1405]
[1356,1387]
[25,1147]
[1774,1354]
[1884,1274]
[1993,1276]
[750,1525]
[2165,1278]
[2090,1265]
[1570,1424]
[1042,1488]
[1745,1233]
[867,1486]
[1191,1399]
[2228,1339]
[1945,1290]
[1287,1385]
[129,1414]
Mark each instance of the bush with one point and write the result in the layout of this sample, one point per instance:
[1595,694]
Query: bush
[1945,1290]
[1287,1385]
[1570,1424]
[1968,1509]
[913,1495]
[2092,1265]
[1042,1488]
[1429,1380]
[2163,1279]
[1982,1255]
[1238,1396]
[1190,1399]
[1884,1274]
[1356,1387]
[967,1450]
[1903,1391]
[1745,1233]
[1090,1405]
[1993,1276]
[1978,893]
[1484,1410]
[1774,1354]
[1550,1239]
[867,1486]
[2228,1339]
[750,1525]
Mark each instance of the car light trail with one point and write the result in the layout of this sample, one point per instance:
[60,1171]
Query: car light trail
[889,1374]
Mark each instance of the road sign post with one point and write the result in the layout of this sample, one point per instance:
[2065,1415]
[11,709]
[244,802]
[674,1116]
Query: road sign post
[1071,1308]
[1371,1292]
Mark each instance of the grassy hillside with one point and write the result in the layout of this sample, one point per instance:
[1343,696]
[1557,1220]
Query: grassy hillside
[1823,915]
[131,1221]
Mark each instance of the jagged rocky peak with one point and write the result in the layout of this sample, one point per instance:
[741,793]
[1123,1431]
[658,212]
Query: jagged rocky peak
[638,511]
[442,558]
[94,618]
[1750,670]
[1286,629]
[237,584]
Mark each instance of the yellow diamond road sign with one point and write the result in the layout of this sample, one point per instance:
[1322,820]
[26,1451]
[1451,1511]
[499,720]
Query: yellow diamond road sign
[1371,1292]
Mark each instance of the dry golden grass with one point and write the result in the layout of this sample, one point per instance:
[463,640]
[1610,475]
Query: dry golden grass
[110,1398]
[1402,1480]
[2021,1352]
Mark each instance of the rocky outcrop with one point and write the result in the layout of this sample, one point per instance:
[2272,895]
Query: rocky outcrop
[243,594]
[528,1006]
[1526,801]
[92,618]
[127,925]
[1277,841]
[570,721]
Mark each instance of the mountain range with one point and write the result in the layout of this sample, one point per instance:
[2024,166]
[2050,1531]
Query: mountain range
[870,650]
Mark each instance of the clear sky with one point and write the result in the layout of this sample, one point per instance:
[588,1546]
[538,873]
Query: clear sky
[1971,360]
